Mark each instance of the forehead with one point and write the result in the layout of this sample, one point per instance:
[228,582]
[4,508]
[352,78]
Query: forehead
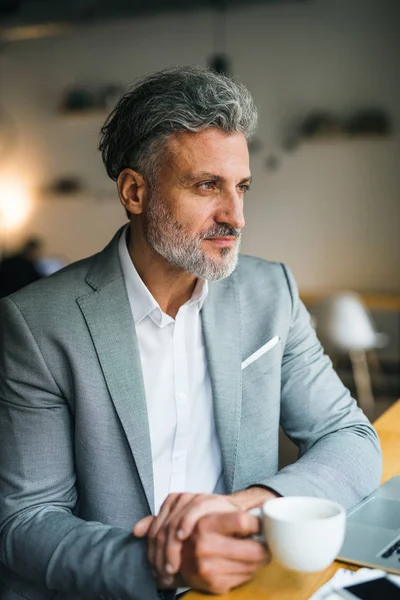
[209,150]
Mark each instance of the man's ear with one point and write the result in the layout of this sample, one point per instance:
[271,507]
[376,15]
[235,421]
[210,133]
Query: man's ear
[132,190]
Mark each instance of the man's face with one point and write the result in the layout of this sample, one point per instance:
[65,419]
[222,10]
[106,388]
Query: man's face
[194,214]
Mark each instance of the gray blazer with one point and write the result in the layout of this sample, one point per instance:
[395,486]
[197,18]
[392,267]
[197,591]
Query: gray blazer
[76,468]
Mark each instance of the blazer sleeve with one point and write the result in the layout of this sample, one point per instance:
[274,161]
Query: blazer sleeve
[40,538]
[339,450]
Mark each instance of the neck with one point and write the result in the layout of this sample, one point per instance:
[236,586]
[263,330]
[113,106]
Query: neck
[169,285]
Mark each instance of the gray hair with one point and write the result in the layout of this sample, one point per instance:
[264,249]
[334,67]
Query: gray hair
[178,99]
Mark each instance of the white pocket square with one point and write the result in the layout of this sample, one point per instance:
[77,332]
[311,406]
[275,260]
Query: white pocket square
[268,346]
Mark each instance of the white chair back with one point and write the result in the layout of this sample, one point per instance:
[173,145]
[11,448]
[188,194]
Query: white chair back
[344,324]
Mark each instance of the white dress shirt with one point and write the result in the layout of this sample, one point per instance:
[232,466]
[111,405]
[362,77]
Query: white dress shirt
[185,447]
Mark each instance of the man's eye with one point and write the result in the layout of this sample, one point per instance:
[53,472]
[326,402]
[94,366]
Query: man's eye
[244,187]
[207,185]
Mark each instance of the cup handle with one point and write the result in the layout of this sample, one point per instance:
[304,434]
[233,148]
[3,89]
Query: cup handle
[258,537]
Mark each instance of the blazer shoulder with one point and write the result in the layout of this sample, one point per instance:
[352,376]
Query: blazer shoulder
[66,284]
[261,271]
[265,285]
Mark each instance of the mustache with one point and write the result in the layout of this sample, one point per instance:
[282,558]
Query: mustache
[222,230]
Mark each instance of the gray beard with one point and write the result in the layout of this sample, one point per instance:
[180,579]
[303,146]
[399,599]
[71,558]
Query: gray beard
[171,240]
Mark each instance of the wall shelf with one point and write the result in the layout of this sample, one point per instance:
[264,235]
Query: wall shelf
[86,113]
[343,137]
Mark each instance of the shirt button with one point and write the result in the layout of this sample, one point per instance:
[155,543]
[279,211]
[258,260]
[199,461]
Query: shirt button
[182,397]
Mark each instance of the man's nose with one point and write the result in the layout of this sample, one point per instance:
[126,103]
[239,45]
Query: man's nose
[231,210]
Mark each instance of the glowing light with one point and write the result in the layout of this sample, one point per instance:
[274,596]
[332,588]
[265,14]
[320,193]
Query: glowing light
[15,204]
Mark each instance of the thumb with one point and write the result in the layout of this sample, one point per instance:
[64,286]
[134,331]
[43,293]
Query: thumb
[142,527]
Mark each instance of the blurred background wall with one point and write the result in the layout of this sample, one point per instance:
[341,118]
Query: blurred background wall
[330,209]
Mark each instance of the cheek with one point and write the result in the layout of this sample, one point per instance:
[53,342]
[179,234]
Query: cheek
[195,214]
[197,220]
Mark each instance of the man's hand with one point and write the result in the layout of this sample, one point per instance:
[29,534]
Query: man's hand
[217,557]
[173,525]
[177,519]
[253,496]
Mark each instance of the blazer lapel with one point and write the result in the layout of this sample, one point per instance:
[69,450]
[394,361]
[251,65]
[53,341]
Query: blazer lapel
[109,319]
[221,327]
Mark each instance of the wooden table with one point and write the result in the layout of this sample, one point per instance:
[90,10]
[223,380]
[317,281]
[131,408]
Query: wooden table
[276,583]
[374,302]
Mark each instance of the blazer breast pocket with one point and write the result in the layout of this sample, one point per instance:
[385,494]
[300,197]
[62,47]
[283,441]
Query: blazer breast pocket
[262,366]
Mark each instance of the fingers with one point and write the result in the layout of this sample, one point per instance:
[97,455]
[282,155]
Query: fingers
[239,524]
[200,506]
[246,551]
[210,568]
[177,520]
[169,562]
[142,527]
[155,534]
[158,533]
[218,565]
[183,520]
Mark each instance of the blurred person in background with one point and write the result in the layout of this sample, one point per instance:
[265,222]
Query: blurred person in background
[141,389]
[47,265]
[22,268]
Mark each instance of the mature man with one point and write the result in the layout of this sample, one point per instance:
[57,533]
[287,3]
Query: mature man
[143,387]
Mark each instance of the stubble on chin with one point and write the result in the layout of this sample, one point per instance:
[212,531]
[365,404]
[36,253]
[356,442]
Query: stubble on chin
[170,239]
[227,251]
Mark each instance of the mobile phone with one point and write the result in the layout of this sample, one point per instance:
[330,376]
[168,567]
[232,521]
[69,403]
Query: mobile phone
[376,589]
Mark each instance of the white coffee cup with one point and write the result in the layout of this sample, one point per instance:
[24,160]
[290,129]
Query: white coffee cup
[303,534]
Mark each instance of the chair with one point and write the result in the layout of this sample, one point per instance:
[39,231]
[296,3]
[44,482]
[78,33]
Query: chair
[345,326]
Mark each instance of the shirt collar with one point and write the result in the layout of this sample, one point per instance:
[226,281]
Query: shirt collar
[142,302]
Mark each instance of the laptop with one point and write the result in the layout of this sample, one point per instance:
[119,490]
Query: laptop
[373,530]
